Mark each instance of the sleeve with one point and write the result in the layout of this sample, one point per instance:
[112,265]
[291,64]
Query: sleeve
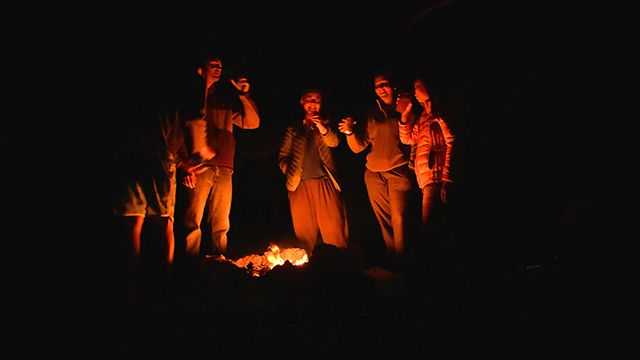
[359,141]
[408,131]
[331,139]
[448,139]
[249,117]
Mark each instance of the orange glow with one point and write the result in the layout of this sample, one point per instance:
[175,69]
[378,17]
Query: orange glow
[260,264]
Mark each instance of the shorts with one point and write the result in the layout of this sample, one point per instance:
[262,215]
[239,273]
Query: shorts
[150,194]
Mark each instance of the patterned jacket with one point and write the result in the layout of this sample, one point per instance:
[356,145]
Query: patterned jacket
[290,156]
[434,142]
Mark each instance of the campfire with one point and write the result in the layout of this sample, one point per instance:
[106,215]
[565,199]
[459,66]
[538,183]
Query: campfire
[260,264]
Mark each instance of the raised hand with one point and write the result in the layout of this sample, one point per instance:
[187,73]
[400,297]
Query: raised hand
[241,84]
[346,125]
[319,123]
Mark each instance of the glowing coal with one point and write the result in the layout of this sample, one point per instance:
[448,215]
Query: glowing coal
[260,264]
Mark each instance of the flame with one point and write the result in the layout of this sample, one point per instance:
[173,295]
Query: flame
[259,264]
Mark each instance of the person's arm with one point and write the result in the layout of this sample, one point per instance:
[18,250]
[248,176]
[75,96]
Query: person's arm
[284,154]
[355,142]
[197,132]
[187,169]
[193,110]
[329,137]
[406,128]
[448,139]
[250,118]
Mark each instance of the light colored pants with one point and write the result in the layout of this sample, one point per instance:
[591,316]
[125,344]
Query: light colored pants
[390,194]
[317,208]
[213,190]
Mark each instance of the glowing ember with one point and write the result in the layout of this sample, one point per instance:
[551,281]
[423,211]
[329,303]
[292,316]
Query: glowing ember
[259,264]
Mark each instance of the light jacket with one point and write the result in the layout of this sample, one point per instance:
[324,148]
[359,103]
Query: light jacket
[290,156]
[434,142]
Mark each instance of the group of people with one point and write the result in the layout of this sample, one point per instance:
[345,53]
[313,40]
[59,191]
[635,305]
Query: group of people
[182,169]
[183,158]
[407,151]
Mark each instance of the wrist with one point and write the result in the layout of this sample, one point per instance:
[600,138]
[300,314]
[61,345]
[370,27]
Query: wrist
[198,159]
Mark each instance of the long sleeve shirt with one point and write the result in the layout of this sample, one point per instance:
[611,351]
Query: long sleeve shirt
[381,134]
[223,110]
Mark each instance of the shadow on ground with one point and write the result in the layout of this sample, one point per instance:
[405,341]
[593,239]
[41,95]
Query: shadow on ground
[333,306]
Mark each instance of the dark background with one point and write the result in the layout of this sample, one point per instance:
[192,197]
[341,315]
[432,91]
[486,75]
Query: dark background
[544,162]
[537,92]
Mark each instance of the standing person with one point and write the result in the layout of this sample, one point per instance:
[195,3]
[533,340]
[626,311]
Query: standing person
[306,158]
[433,139]
[388,175]
[150,149]
[227,104]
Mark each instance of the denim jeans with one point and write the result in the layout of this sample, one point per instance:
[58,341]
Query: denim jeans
[213,191]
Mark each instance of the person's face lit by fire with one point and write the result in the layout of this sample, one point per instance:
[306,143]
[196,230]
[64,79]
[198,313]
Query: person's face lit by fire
[311,103]
[384,89]
[420,91]
[211,71]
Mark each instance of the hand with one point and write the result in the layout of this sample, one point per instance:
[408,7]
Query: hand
[319,123]
[189,180]
[242,85]
[346,125]
[402,101]
[404,115]
[196,169]
[443,192]
[187,174]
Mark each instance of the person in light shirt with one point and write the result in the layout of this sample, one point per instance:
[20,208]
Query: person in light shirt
[388,175]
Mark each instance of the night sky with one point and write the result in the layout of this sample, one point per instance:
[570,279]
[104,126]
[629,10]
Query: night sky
[536,91]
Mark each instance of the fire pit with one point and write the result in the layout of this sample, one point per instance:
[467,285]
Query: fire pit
[258,265]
